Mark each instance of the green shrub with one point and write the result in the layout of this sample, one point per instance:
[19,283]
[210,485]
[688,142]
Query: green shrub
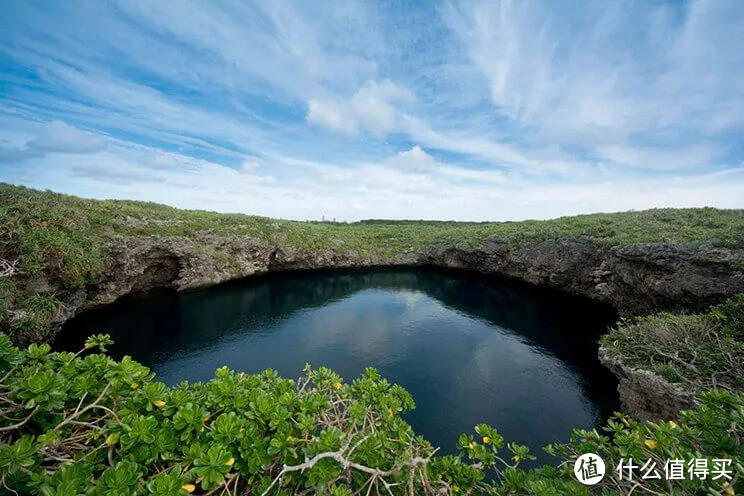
[699,352]
[87,424]
[730,316]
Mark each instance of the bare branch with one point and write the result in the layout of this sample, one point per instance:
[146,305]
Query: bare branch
[8,268]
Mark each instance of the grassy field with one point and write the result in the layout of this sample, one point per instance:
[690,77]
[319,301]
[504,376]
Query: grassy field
[64,233]
[61,236]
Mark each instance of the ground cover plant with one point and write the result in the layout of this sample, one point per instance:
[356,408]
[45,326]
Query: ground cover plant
[696,351]
[62,237]
[86,424]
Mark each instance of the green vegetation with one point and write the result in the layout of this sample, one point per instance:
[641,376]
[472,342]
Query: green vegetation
[61,237]
[698,352]
[86,424]
[62,230]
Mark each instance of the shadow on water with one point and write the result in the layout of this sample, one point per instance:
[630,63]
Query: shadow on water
[469,348]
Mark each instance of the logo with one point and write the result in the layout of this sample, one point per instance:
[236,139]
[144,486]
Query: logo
[589,469]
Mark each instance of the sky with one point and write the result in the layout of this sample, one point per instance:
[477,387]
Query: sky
[468,110]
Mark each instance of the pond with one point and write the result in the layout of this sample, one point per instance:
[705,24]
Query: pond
[469,348]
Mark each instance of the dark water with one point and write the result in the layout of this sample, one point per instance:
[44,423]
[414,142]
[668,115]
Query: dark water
[468,348]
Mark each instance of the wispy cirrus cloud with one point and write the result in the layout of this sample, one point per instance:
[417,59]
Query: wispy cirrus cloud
[452,110]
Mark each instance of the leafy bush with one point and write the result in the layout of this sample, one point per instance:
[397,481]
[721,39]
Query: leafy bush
[730,316]
[699,352]
[86,424]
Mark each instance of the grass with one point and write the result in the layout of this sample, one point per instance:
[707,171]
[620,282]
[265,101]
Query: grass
[698,351]
[61,236]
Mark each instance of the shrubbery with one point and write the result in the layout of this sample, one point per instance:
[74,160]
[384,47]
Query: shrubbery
[698,351]
[86,424]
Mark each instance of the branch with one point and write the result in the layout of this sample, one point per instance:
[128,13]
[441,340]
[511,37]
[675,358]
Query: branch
[346,463]
[22,422]
[8,268]
[93,405]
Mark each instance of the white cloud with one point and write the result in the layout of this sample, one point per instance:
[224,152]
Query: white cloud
[416,156]
[653,159]
[335,116]
[433,190]
[58,136]
[370,108]
[512,109]
[613,76]
[55,137]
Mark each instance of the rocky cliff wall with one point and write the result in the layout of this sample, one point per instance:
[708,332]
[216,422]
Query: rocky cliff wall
[635,279]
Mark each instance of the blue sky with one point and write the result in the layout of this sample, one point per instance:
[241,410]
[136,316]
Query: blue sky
[473,110]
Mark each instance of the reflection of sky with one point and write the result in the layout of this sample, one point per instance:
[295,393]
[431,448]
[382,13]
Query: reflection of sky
[460,370]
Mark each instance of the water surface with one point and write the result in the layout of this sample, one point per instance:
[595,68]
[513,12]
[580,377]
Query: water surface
[469,348]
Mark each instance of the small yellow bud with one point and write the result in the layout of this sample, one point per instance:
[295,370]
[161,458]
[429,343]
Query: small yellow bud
[134,385]
[673,424]
[189,488]
[159,403]
[471,445]
[338,385]
[651,443]
[486,440]
[230,462]
[112,439]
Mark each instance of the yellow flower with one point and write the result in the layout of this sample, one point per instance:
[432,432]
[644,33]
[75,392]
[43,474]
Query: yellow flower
[486,440]
[651,443]
[230,462]
[189,488]
[134,385]
[159,403]
[338,385]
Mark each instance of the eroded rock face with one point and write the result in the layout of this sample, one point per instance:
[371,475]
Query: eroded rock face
[635,279]
[646,395]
